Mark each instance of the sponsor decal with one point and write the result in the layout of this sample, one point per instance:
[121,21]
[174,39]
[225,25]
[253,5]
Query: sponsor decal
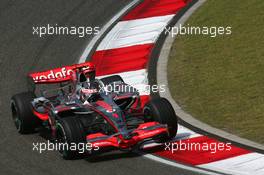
[60,73]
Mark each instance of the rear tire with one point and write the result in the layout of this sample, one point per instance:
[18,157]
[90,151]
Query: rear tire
[22,112]
[161,110]
[71,131]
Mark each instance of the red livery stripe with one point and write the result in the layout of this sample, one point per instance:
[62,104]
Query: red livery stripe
[153,8]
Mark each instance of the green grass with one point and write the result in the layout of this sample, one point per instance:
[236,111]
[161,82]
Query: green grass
[221,80]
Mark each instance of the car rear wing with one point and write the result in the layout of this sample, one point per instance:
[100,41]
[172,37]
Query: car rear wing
[57,75]
[53,76]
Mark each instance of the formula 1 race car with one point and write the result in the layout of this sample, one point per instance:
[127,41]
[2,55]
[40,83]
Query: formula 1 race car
[106,113]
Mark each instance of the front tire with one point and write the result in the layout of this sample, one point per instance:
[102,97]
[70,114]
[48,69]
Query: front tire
[22,112]
[161,110]
[70,131]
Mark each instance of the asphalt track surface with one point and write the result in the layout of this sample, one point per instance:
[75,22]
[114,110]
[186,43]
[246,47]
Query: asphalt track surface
[21,52]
